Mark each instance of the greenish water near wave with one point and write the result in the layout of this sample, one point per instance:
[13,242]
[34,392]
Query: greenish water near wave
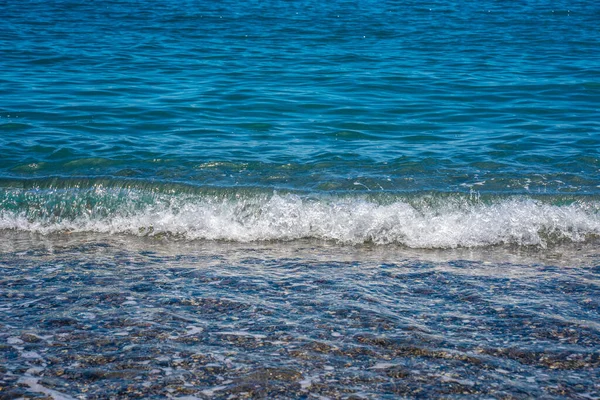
[418,220]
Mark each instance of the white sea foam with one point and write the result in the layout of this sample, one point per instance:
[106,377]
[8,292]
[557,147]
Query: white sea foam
[446,223]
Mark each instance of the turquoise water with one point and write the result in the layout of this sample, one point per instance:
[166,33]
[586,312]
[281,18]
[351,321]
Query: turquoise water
[321,100]
[441,153]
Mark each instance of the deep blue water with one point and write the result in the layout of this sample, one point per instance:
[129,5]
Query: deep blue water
[369,198]
[341,99]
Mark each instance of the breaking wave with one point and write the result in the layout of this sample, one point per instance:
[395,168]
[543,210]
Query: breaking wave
[429,220]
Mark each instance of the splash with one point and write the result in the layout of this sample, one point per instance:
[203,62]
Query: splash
[417,221]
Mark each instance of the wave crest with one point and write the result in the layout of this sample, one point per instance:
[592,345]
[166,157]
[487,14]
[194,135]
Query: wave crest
[425,221]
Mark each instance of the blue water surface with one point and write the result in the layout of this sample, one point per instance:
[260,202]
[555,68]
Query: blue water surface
[318,98]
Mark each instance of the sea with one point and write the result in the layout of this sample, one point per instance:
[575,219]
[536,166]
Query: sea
[299,199]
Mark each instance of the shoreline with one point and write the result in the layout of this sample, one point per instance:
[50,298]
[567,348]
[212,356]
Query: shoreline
[102,316]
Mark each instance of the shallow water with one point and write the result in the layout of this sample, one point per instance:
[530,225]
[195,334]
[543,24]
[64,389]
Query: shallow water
[299,199]
[118,316]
